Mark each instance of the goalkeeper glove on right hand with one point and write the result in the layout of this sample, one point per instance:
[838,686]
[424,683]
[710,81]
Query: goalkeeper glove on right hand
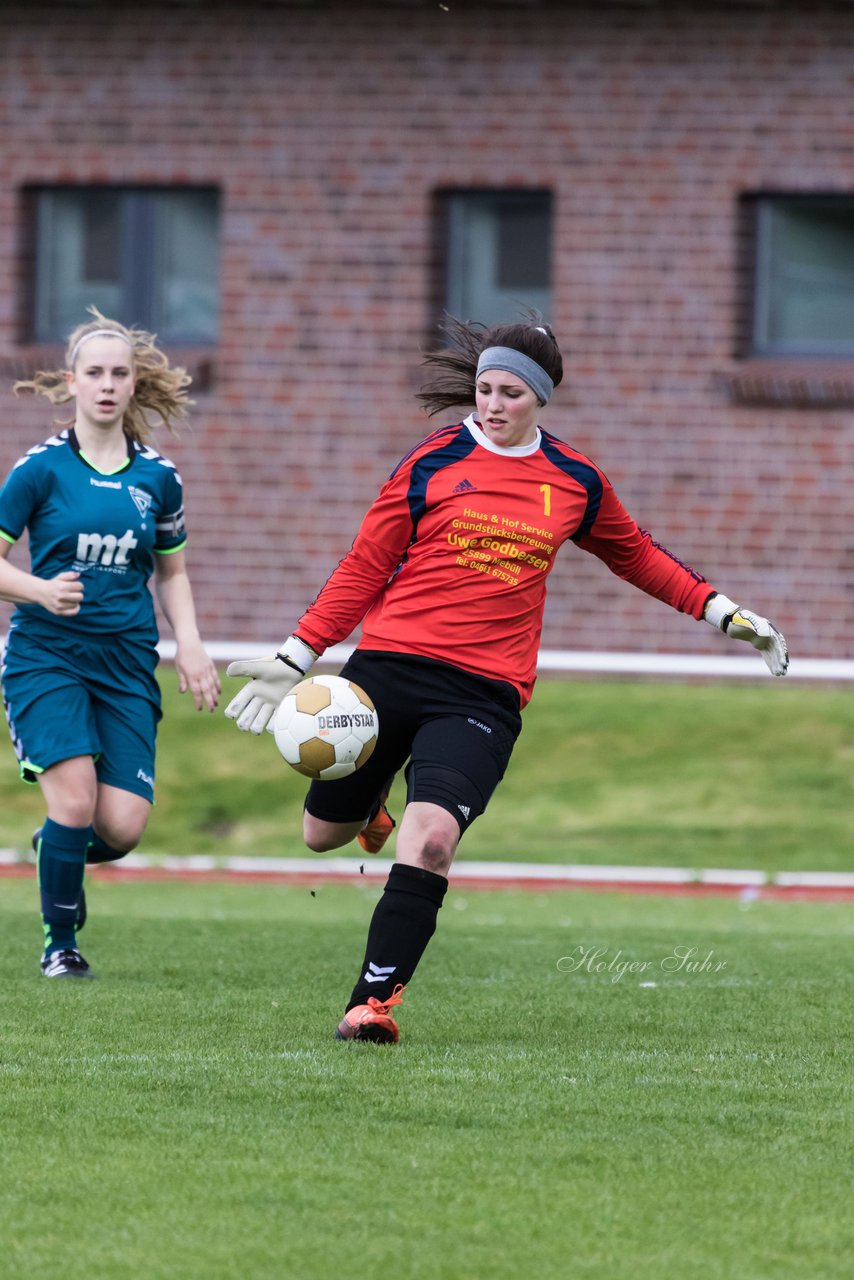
[271,679]
[743,624]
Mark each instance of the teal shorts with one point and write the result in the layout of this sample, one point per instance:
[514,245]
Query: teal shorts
[83,697]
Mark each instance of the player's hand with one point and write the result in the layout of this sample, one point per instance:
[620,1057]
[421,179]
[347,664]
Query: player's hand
[744,624]
[62,595]
[764,636]
[196,672]
[270,680]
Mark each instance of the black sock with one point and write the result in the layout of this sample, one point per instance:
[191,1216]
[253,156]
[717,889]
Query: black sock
[99,851]
[403,923]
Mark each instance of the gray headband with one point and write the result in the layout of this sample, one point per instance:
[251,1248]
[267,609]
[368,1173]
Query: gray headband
[513,361]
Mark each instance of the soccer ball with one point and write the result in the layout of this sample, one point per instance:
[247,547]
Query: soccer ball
[326,727]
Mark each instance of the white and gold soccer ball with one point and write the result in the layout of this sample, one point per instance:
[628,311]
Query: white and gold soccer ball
[326,727]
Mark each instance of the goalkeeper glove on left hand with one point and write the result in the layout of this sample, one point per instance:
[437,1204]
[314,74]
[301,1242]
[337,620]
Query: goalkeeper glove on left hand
[271,680]
[743,624]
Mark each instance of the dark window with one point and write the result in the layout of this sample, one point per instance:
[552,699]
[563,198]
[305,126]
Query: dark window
[146,256]
[803,298]
[498,253]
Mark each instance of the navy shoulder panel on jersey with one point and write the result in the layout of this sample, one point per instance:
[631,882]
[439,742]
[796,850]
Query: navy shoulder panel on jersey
[583,472]
[44,447]
[447,432]
[150,454]
[458,444]
[27,483]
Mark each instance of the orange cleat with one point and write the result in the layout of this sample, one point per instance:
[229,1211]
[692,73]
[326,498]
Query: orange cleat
[373,836]
[372,1021]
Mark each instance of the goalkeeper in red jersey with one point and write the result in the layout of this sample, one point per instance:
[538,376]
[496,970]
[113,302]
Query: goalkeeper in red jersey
[447,576]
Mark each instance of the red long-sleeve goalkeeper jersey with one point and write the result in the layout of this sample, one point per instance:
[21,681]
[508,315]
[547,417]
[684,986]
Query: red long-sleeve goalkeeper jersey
[452,558]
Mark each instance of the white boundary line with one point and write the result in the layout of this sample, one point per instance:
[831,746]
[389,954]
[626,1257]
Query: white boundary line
[816,879]
[582,660]
[372,868]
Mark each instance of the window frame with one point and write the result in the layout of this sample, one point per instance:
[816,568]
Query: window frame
[765,206]
[137,219]
[453,283]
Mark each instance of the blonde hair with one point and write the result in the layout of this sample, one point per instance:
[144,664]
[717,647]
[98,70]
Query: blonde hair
[160,389]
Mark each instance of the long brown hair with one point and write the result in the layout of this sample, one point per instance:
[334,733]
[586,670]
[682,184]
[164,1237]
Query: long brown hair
[161,389]
[455,365]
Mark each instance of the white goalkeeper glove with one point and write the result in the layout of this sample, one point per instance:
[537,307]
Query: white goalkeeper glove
[270,680]
[743,624]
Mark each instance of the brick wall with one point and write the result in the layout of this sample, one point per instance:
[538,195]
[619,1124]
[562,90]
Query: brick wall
[329,129]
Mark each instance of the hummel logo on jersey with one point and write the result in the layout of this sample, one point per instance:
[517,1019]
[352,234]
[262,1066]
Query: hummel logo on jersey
[465,811]
[142,499]
[465,486]
[105,484]
[375,973]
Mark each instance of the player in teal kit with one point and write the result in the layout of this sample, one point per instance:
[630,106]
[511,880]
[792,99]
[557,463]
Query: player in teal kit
[104,512]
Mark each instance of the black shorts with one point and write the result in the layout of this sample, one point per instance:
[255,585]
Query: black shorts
[456,730]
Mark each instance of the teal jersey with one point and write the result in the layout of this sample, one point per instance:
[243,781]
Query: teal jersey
[108,528]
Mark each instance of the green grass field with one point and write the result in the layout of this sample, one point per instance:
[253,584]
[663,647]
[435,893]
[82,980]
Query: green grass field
[587,1084]
[745,774]
[188,1114]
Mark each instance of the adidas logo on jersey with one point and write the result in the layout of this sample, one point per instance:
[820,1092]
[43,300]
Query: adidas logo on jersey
[465,486]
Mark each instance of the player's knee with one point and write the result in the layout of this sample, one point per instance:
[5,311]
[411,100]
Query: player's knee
[122,831]
[72,811]
[323,837]
[437,856]
[428,837]
[319,843]
[123,838]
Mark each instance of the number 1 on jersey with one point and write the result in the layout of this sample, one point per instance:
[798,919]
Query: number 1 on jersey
[546,491]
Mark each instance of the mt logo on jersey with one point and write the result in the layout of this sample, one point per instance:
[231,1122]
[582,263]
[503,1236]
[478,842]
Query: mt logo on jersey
[105,548]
